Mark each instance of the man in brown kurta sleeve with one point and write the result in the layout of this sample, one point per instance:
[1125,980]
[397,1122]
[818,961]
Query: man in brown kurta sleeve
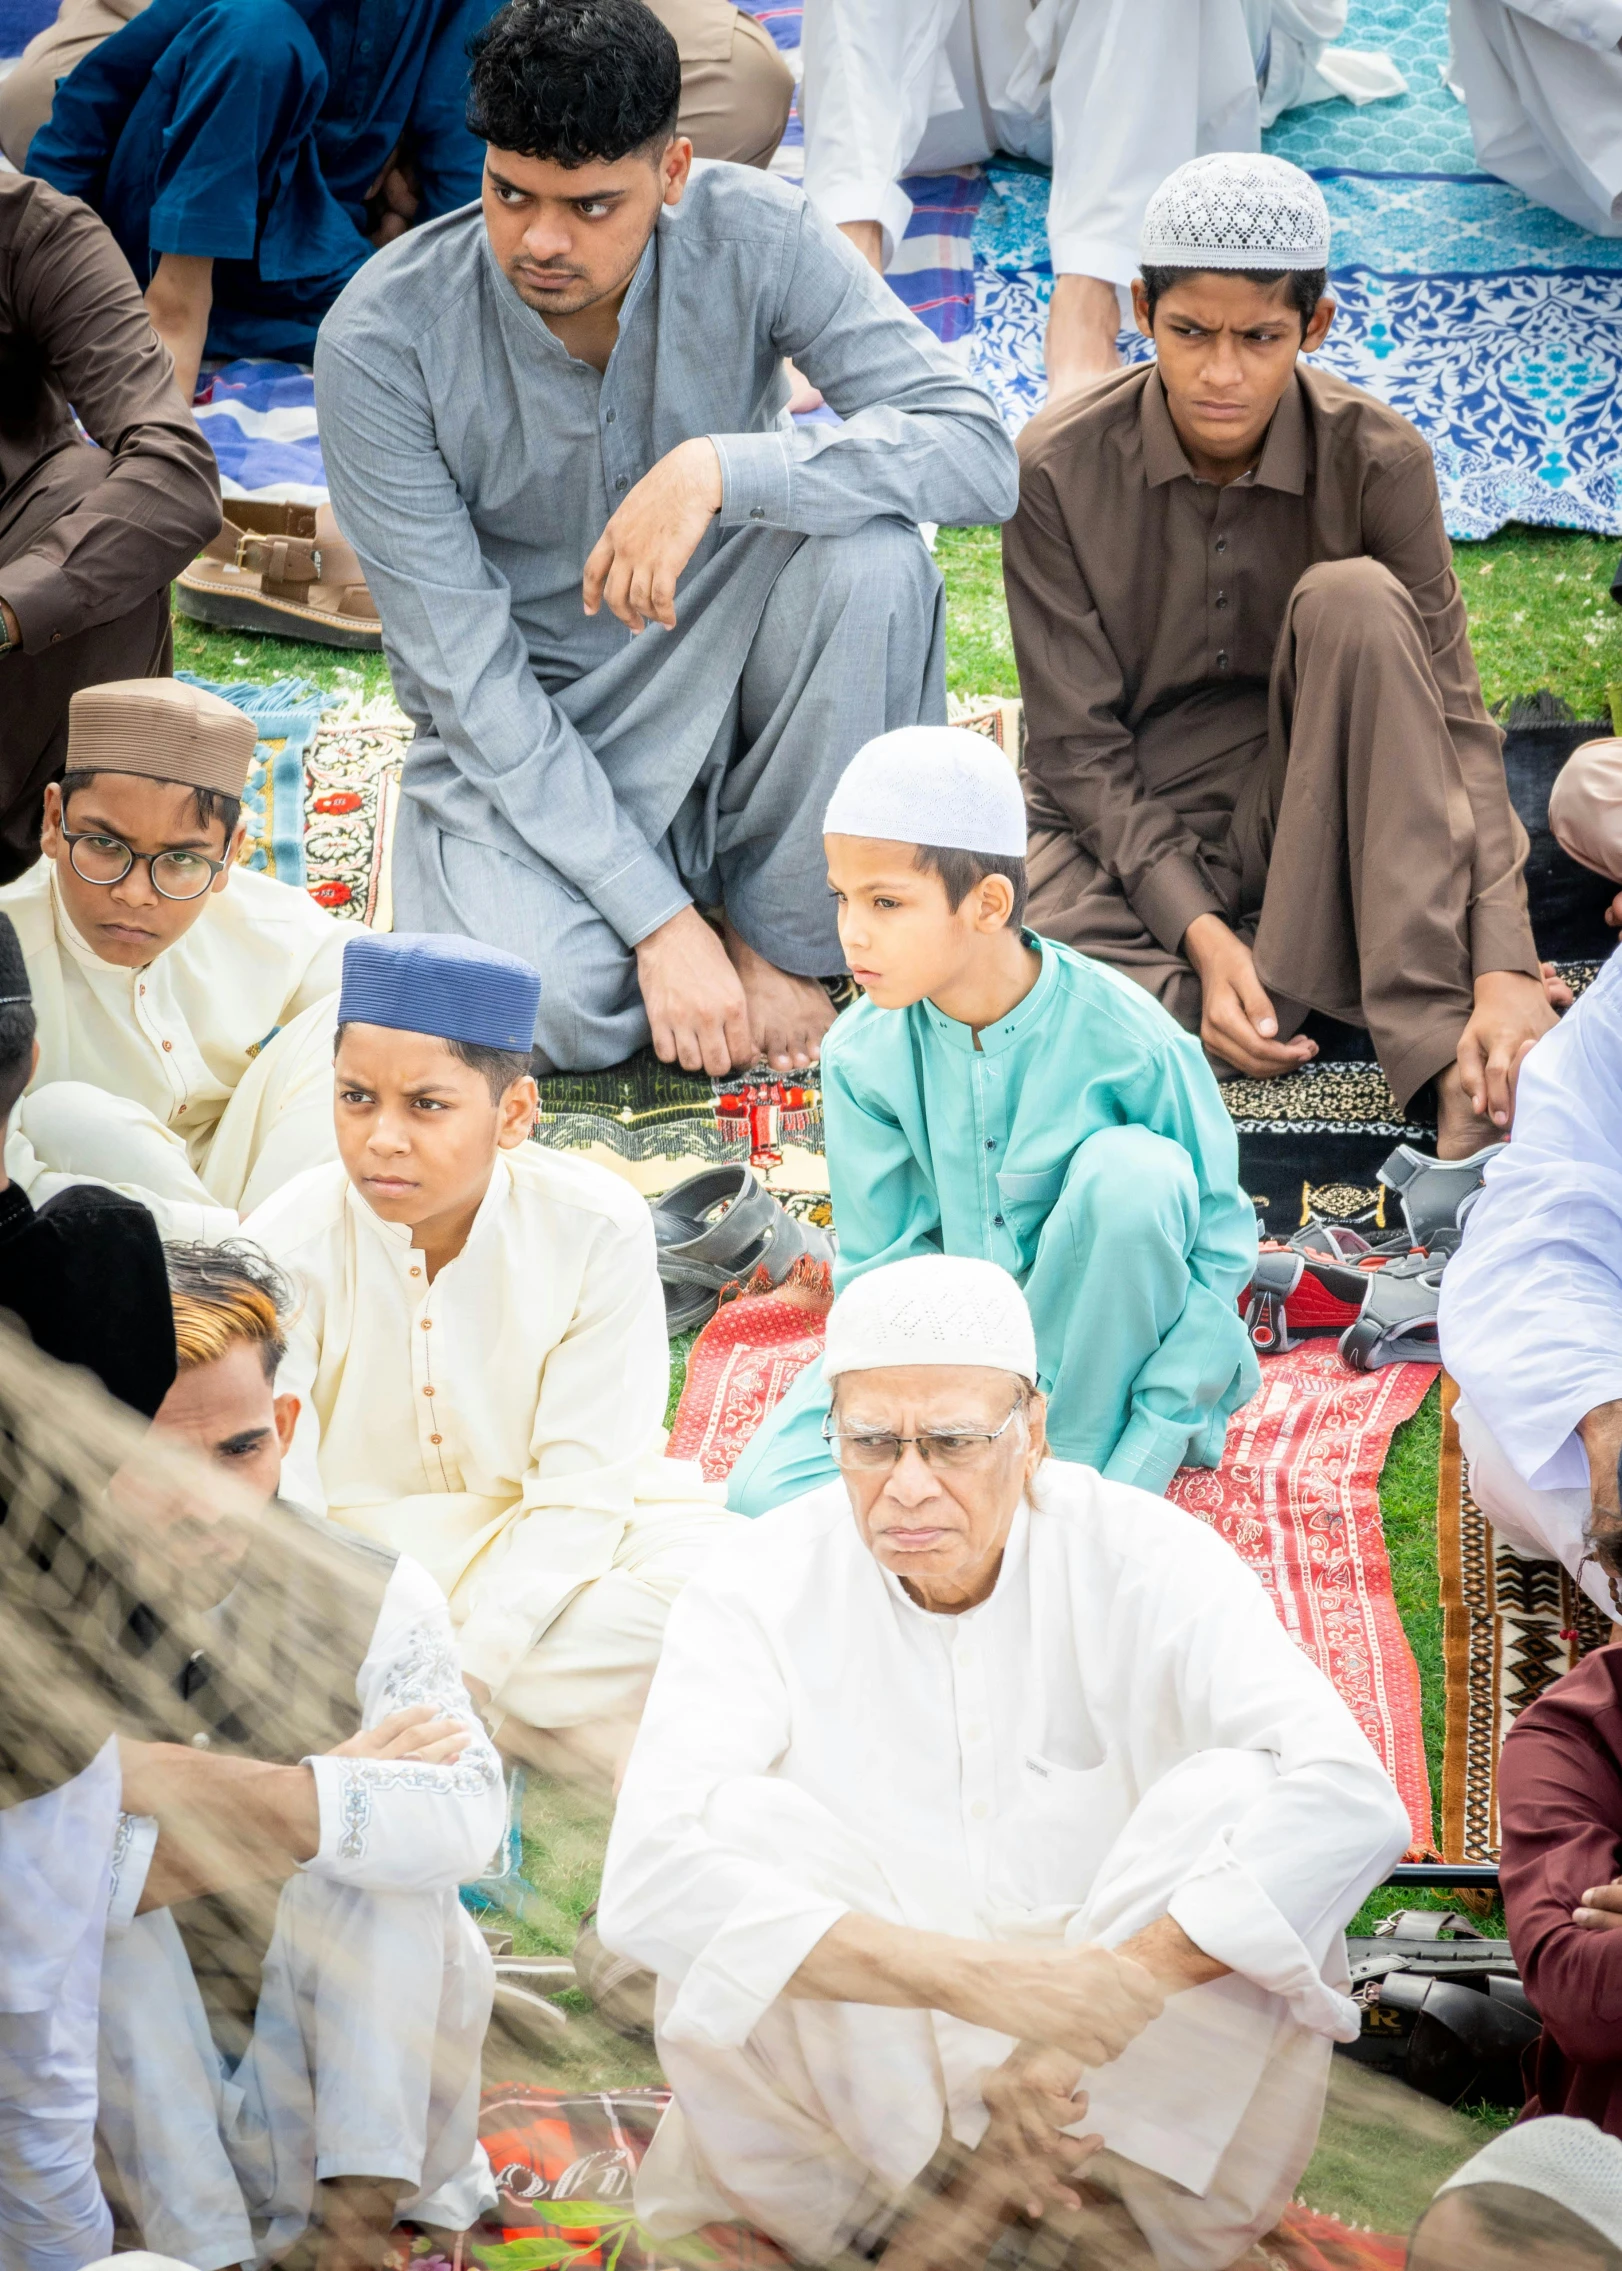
[1560,1804]
[89,538]
[1260,773]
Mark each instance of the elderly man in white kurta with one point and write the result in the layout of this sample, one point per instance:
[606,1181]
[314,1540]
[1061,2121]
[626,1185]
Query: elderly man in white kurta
[185,1004]
[1543,83]
[978,1798]
[1531,1310]
[481,1356]
[1113,94]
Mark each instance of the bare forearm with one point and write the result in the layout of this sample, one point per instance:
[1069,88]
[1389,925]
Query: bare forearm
[1166,1950]
[221,1821]
[862,1959]
[1601,1432]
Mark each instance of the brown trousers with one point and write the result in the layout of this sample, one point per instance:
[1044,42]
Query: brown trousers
[736,90]
[35,688]
[1335,829]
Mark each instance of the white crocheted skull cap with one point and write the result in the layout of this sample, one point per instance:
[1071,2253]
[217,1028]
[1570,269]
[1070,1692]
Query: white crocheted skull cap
[1236,209]
[933,1309]
[931,784]
[1563,2160]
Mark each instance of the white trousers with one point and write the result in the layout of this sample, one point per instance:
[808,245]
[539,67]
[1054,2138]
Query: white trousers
[364,2061]
[1114,94]
[819,2122]
[1542,1525]
[55,1881]
[277,1122]
[1545,108]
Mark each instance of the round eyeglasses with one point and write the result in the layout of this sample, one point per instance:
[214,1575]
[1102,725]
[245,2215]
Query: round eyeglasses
[175,875]
[953,1447]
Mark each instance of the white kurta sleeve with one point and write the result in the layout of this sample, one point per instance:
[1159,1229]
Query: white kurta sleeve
[729,1930]
[1270,1895]
[407,1827]
[598,1415]
[134,1842]
[1591,23]
[873,69]
[1531,1311]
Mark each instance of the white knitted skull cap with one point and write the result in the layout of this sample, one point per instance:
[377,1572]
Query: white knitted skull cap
[1570,2162]
[932,1309]
[931,784]
[1236,209]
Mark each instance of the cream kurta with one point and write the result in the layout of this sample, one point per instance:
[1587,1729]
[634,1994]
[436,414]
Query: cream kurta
[1123,1729]
[199,1083]
[504,1423]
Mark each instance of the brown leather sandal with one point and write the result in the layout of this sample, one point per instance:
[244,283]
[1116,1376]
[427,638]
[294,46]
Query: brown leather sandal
[283,569]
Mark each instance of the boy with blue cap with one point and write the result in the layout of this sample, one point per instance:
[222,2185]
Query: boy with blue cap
[997,1095]
[481,1357]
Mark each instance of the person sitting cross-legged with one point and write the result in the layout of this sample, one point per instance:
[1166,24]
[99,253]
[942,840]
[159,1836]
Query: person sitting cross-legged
[480,1354]
[630,705]
[990,1838]
[996,1094]
[293,1998]
[184,1003]
[1262,780]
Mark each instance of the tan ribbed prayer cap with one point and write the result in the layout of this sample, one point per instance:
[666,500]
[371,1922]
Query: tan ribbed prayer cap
[162,730]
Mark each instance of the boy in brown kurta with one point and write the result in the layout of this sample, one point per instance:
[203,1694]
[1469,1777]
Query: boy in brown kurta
[1261,777]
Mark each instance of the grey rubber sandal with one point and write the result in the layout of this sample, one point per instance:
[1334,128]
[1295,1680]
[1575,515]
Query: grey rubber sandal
[720,1228]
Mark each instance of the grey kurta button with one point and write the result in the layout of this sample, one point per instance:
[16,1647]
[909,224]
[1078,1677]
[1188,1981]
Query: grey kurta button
[620,483]
[757,512]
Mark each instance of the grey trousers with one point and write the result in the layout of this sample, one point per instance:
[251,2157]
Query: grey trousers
[850,643]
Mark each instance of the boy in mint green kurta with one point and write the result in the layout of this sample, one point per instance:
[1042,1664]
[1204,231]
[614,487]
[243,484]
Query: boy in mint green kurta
[997,1095]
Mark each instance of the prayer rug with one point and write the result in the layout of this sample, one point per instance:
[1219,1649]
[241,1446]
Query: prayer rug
[565,2162]
[1510,1627]
[352,789]
[259,417]
[286,716]
[743,1362]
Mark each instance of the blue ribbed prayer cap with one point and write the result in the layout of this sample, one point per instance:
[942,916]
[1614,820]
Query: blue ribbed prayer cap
[424,982]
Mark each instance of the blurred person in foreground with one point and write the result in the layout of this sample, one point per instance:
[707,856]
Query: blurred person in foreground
[990,1838]
[1546,2196]
[293,1999]
[480,1353]
[1560,1811]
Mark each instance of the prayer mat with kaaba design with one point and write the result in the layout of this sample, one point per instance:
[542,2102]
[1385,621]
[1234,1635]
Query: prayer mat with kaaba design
[565,2163]
[1510,1628]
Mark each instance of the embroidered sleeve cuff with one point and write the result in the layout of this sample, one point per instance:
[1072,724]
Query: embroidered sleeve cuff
[747,1965]
[1149,1453]
[134,1843]
[1225,1911]
[1168,898]
[754,479]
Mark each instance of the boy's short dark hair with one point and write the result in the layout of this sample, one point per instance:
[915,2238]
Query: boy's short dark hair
[17,1030]
[1510,2217]
[1307,285]
[208,805]
[961,871]
[574,80]
[498,1067]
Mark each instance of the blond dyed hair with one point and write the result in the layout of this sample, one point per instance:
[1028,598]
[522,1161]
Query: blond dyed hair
[225,1297]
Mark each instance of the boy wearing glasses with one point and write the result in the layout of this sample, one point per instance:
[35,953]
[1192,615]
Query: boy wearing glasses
[998,1096]
[185,1004]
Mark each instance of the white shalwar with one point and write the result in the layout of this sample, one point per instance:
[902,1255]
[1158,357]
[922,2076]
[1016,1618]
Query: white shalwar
[1531,1310]
[56,1856]
[504,1423]
[364,2059]
[1542,80]
[1113,94]
[198,1084]
[1121,1730]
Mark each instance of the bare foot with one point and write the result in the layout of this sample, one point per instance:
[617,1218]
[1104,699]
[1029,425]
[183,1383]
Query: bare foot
[787,1015]
[1084,322]
[354,2217]
[868,238]
[803,395]
[1560,995]
[1460,1132]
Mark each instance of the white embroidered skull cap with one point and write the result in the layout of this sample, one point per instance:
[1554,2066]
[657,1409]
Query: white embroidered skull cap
[1567,2161]
[931,784]
[1236,209]
[931,1309]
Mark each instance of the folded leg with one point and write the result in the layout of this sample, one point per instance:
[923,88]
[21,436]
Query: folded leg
[1540,1525]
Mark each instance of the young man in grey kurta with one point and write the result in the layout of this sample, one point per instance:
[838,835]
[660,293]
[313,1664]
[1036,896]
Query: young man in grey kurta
[577,781]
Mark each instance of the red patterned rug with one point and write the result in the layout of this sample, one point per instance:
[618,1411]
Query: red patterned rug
[565,2163]
[1297,1497]
[742,1363]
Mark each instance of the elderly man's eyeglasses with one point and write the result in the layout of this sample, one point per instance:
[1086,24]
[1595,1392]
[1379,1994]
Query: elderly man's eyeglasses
[175,875]
[865,1453]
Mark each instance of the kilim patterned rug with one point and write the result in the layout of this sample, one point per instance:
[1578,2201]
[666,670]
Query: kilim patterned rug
[1510,1627]
[565,2162]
